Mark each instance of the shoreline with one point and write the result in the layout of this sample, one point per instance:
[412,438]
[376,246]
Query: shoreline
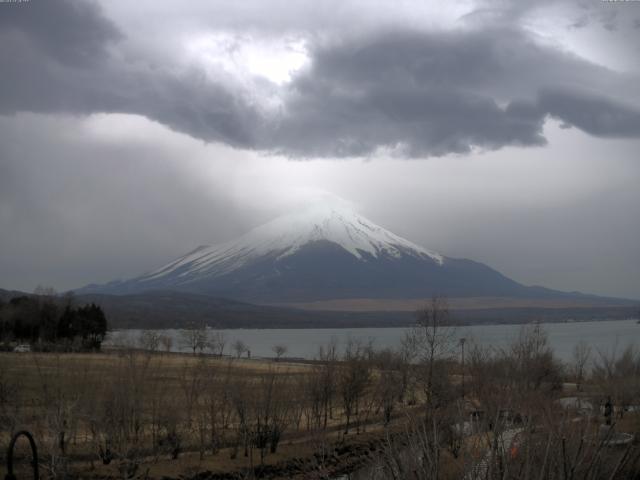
[386,326]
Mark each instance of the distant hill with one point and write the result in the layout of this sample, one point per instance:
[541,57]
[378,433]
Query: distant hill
[6,295]
[166,309]
[162,309]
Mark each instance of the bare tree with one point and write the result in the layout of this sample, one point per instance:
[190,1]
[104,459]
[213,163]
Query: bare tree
[313,393]
[239,347]
[407,353]
[279,351]
[618,376]
[531,360]
[353,378]
[149,340]
[269,412]
[119,416]
[433,339]
[240,399]
[194,338]
[191,381]
[388,383]
[328,378]
[157,403]
[581,356]
[218,408]
[197,392]
[552,447]
[217,343]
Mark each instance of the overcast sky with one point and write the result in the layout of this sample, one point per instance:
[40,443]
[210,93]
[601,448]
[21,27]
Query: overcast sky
[505,132]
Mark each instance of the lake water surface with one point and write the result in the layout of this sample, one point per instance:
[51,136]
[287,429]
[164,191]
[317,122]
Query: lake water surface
[604,336]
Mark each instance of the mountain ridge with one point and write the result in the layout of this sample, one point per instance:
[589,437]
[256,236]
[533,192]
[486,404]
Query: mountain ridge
[326,252]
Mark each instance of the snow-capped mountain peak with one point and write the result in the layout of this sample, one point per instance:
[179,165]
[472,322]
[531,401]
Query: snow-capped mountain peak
[326,251]
[287,234]
[346,228]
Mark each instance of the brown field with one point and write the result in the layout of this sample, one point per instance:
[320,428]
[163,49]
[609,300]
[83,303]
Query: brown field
[70,371]
[459,303]
[82,394]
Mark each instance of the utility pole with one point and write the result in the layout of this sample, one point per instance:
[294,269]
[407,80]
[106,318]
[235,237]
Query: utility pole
[462,342]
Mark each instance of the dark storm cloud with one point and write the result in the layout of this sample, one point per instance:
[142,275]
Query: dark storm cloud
[424,93]
[190,103]
[596,115]
[414,121]
[57,58]
[433,94]
[73,33]
[416,93]
[50,49]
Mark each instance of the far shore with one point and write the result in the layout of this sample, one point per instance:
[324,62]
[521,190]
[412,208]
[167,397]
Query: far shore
[455,303]
[390,325]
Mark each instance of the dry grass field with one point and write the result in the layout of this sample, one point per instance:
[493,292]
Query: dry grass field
[172,414]
[137,414]
[37,372]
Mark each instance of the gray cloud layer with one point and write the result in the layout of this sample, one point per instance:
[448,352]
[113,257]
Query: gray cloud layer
[70,32]
[58,60]
[413,92]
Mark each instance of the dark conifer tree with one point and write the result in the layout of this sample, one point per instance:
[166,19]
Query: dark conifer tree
[37,319]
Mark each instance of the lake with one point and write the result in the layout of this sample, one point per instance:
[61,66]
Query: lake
[604,336]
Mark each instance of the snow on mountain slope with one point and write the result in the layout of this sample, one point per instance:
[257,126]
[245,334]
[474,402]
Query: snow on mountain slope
[286,235]
[326,252]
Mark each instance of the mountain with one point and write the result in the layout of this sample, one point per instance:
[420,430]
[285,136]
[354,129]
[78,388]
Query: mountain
[324,252]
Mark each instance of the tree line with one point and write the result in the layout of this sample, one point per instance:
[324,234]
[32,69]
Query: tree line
[48,321]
